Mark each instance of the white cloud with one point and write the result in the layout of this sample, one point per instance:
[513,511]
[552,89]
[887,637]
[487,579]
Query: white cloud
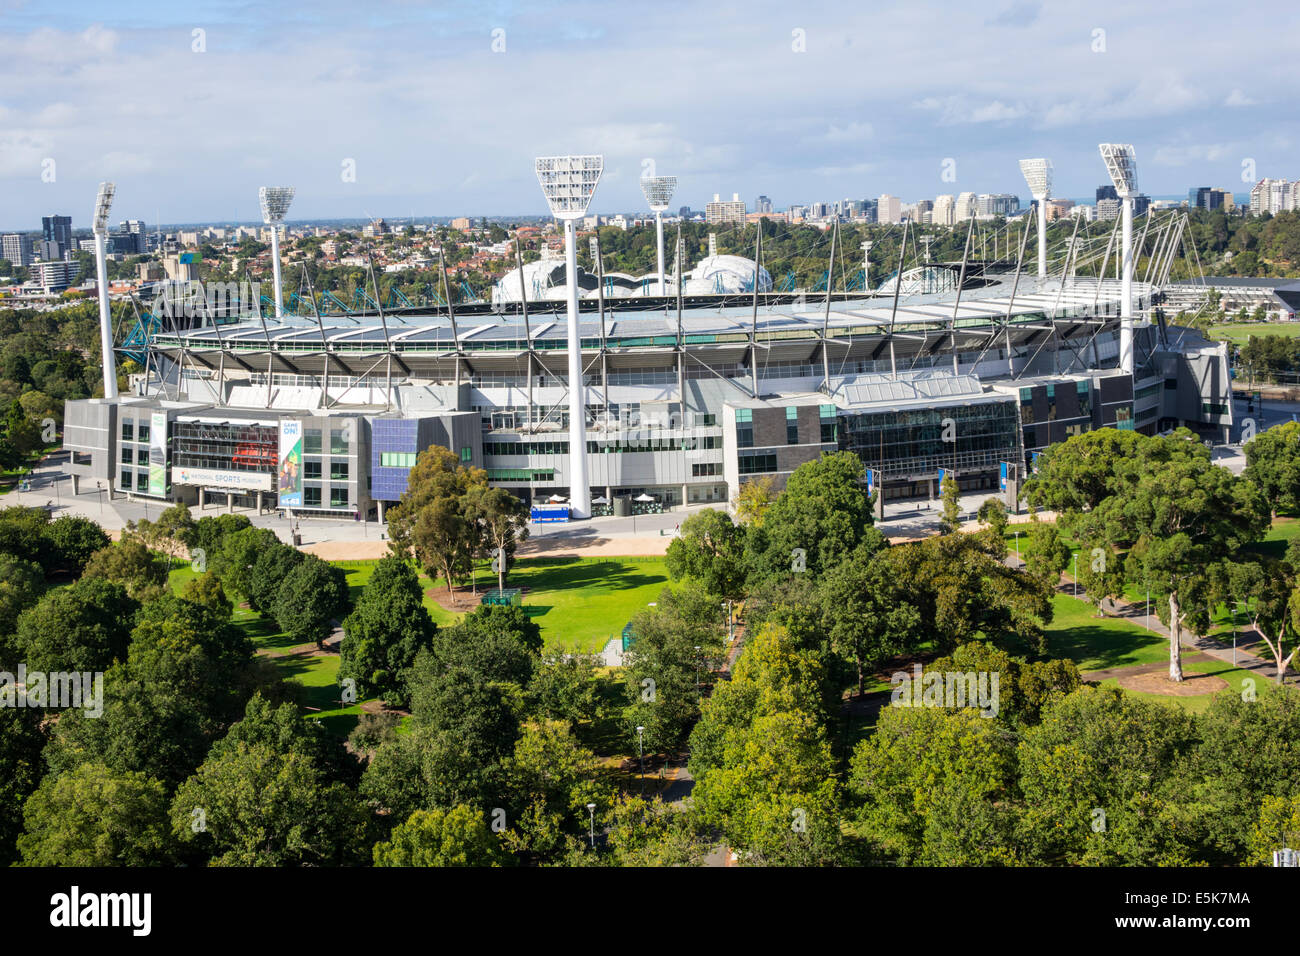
[1238,98]
[851,133]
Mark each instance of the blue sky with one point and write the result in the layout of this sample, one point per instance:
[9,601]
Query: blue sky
[817,100]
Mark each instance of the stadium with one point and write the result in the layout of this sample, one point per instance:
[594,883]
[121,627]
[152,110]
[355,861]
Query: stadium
[683,397]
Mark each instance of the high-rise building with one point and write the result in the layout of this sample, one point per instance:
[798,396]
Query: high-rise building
[1271,196]
[54,276]
[1141,203]
[889,209]
[58,229]
[721,213]
[1106,192]
[943,211]
[965,208]
[924,210]
[989,205]
[762,204]
[17,249]
[1058,208]
[1107,209]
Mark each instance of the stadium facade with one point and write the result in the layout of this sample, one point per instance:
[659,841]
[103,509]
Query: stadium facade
[684,401]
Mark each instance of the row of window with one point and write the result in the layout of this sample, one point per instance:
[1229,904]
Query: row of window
[338,470]
[397,459]
[706,470]
[756,464]
[134,431]
[603,447]
[311,497]
[313,440]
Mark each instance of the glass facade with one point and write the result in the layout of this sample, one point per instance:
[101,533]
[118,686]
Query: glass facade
[394,443]
[899,444]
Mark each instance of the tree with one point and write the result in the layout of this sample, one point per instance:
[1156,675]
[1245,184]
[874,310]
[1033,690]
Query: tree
[950,495]
[1099,749]
[273,565]
[1176,513]
[822,515]
[667,663]
[503,518]
[455,837]
[1273,464]
[94,816]
[186,677]
[21,585]
[994,514]
[83,627]
[311,597]
[432,522]
[755,497]
[1101,574]
[235,556]
[73,541]
[1268,592]
[866,612]
[566,686]
[269,794]
[917,768]
[130,564]
[21,769]
[1045,554]
[710,549]
[22,534]
[384,632]
[646,833]
[1076,474]
[206,590]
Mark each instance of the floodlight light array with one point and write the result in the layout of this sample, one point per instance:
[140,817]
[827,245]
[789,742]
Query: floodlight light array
[1038,176]
[568,183]
[103,206]
[1121,164]
[275,202]
[658,191]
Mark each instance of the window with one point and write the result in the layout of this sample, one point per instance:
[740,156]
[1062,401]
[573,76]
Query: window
[744,428]
[142,481]
[311,469]
[142,432]
[128,429]
[755,464]
[338,471]
[126,455]
[791,425]
[706,470]
[125,480]
[339,444]
[311,441]
[142,456]
[338,497]
[311,497]
[466,453]
[397,459]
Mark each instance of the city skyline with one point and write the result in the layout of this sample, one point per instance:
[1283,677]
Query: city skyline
[416,102]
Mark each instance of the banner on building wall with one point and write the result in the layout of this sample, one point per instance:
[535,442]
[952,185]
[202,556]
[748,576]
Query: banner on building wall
[1002,478]
[158,454]
[225,480]
[289,470]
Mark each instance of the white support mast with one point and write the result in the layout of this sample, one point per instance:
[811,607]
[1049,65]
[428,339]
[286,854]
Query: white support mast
[658,191]
[103,206]
[1038,176]
[1122,167]
[275,202]
[569,183]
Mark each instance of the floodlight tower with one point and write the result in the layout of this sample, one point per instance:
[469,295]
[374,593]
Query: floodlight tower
[658,192]
[568,183]
[1122,167]
[1038,176]
[103,206]
[275,202]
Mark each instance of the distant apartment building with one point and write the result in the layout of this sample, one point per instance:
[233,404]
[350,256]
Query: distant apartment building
[1085,212]
[57,229]
[944,211]
[17,249]
[721,213]
[989,205]
[796,213]
[762,204]
[889,209]
[1058,208]
[54,276]
[1207,197]
[1106,192]
[188,237]
[924,210]
[965,208]
[1107,209]
[1273,196]
[461,223]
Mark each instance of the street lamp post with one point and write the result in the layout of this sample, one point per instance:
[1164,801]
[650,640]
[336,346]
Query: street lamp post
[1076,574]
[640,749]
[591,826]
[1017,544]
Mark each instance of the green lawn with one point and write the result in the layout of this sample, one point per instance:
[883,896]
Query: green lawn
[1096,643]
[1240,332]
[1234,676]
